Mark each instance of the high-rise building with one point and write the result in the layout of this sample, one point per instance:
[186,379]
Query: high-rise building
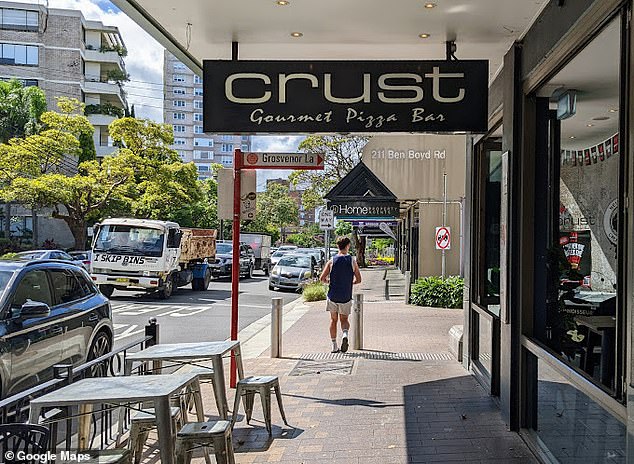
[183,109]
[66,55]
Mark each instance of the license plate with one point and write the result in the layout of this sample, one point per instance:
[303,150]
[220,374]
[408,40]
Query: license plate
[122,280]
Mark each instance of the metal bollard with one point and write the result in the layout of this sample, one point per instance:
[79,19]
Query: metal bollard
[152,330]
[357,342]
[408,283]
[387,289]
[276,327]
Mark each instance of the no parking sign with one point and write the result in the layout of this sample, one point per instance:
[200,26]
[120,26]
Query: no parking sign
[443,238]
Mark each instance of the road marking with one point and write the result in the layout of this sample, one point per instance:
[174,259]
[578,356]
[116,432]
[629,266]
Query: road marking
[127,332]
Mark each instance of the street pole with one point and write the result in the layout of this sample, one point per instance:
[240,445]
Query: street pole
[276,327]
[444,220]
[235,259]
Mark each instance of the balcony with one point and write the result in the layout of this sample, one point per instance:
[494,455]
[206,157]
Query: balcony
[104,150]
[93,84]
[110,57]
[100,119]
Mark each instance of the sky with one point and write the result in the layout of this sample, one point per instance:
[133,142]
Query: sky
[144,63]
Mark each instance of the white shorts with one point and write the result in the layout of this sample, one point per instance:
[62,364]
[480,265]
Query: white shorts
[341,308]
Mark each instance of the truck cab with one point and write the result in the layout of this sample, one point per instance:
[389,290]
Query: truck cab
[149,255]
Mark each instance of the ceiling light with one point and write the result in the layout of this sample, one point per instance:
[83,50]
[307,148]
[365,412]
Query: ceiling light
[589,125]
[296,34]
[283,2]
[613,110]
[572,136]
[423,36]
[430,5]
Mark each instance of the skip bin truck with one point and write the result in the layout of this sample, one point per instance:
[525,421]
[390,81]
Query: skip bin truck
[141,254]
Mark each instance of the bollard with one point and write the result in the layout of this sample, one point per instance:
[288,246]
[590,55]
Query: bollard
[152,330]
[408,282]
[357,343]
[276,327]
[387,289]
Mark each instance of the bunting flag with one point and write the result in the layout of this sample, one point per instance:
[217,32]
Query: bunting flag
[591,155]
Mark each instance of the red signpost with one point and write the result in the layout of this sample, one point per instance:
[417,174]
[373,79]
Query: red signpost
[299,161]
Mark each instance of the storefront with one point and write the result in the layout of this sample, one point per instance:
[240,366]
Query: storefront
[549,290]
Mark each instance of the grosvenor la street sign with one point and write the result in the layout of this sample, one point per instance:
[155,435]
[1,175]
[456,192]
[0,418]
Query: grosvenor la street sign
[345,96]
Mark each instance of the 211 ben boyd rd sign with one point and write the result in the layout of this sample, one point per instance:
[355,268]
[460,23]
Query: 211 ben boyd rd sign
[345,96]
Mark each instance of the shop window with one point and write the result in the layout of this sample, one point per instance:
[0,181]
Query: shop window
[577,314]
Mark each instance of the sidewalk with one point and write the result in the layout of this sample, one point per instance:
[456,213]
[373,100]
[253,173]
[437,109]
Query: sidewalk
[403,399]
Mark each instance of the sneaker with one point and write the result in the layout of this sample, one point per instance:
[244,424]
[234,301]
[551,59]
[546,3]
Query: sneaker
[344,344]
[335,350]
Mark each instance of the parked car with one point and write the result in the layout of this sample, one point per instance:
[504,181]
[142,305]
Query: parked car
[224,257]
[318,256]
[84,256]
[287,248]
[50,313]
[275,257]
[293,271]
[48,254]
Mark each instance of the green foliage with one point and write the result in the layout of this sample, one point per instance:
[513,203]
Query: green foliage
[343,228]
[87,147]
[105,108]
[276,208]
[315,291]
[121,51]
[20,109]
[145,138]
[438,292]
[118,76]
[9,255]
[303,240]
[380,244]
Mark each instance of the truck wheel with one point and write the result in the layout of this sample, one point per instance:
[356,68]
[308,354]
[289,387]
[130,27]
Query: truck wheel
[206,280]
[106,290]
[166,291]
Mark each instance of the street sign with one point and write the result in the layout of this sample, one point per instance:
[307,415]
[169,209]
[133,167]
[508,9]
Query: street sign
[261,160]
[443,238]
[225,194]
[326,219]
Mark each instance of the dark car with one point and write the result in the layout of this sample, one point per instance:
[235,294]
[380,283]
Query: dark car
[50,313]
[224,257]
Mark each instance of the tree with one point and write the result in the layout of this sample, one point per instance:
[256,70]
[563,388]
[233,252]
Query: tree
[342,153]
[277,208]
[20,109]
[343,228]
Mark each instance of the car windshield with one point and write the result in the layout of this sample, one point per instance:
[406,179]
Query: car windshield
[224,248]
[30,255]
[295,261]
[79,256]
[277,254]
[129,240]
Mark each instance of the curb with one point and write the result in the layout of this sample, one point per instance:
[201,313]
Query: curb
[255,339]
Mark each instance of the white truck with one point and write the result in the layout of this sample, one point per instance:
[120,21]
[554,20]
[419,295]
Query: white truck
[151,255]
[261,245]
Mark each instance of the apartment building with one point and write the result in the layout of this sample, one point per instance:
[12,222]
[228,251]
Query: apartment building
[66,55]
[183,109]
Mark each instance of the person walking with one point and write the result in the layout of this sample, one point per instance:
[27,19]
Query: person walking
[341,272]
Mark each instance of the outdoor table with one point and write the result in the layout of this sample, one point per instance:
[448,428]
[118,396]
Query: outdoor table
[193,353]
[121,391]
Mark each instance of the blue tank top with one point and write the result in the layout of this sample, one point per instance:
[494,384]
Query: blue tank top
[341,278]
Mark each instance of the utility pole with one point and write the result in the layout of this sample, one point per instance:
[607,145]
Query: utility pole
[444,220]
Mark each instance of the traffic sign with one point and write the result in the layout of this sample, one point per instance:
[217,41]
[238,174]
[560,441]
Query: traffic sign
[247,206]
[225,194]
[261,160]
[443,238]
[327,219]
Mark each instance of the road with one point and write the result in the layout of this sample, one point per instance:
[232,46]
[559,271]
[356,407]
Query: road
[190,316]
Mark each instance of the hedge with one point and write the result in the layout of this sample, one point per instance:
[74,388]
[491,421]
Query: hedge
[438,292]
[315,291]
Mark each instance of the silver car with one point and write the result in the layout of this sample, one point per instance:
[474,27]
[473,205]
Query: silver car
[292,271]
[35,255]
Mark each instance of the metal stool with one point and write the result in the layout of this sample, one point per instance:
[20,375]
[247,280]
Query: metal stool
[248,388]
[142,423]
[214,434]
[205,375]
[112,456]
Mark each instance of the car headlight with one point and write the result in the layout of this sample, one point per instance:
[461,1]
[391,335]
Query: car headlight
[306,275]
[152,274]
[275,271]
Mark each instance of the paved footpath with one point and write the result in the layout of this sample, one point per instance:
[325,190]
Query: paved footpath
[403,399]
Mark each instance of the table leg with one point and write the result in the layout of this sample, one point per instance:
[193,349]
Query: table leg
[219,386]
[238,354]
[128,367]
[607,358]
[198,400]
[166,436]
[83,433]
[34,414]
